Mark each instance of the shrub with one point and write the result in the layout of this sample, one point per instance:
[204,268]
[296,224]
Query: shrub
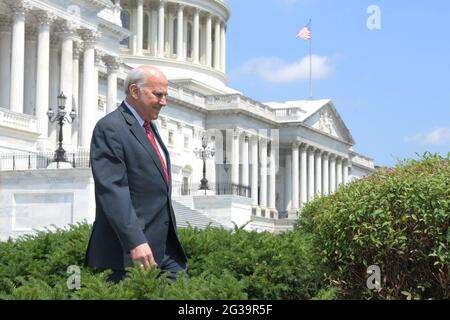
[397,219]
[222,265]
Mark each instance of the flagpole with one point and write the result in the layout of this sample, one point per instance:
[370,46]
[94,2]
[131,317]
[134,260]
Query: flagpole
[310,64]
[310,69]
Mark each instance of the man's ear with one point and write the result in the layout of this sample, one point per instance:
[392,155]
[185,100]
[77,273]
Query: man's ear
[134,89]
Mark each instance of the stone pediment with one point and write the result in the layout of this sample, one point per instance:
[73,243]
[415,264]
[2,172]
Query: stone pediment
[328,120]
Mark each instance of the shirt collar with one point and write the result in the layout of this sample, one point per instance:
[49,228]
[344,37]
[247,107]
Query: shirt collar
[135,114]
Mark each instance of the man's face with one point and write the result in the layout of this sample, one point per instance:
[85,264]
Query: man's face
[152,97]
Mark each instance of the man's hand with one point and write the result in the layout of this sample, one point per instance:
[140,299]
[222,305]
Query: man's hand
[142,255]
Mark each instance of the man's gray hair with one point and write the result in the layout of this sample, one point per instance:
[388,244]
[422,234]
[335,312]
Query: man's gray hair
[137,77]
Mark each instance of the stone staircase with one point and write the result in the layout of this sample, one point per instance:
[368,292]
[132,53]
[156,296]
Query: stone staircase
[186,216]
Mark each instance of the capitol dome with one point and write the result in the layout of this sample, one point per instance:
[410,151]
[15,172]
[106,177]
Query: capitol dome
[197,58]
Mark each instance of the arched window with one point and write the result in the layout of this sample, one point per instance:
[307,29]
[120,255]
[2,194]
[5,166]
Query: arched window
[146,33]
[189,41]
[125,18]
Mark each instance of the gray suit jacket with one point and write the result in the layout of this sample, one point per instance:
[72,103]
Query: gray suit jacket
[133,199]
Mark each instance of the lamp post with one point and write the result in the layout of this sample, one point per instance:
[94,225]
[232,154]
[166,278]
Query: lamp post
[204,154]
[60,118]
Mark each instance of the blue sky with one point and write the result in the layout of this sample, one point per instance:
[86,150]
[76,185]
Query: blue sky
[391,86]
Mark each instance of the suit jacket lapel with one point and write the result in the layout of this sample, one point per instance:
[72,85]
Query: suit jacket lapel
[140,135]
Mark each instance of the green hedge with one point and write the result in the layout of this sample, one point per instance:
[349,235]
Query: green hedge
[222,265]
[397,219]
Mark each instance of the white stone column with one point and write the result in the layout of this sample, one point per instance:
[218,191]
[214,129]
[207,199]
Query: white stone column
[77,49]
[66,78]
[332,174]
[113,65]
[43,76]
[295,175]
[54,83]
[180,33]
[196,36]
[185,39]
[245,161]
[16,94]
[339,172]
[272,178]
[288,185]
[5,60]
[140,26]
[89,103]
[345,173]
[98,62]
[29,102]
[223,48]
[208,41]
[303,176]
[161,40]
[171,19]
[154,33]
[255,163]
[235,158]
[217,44]
[311,189]
[263,181]
[326,177]
[318,167]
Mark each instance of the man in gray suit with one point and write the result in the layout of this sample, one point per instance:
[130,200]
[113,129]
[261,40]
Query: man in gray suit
[135,222]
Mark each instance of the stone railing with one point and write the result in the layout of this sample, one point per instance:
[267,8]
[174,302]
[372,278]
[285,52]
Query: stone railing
[286,114]
[362,161]
[235,101]
[241,102]
[17,120]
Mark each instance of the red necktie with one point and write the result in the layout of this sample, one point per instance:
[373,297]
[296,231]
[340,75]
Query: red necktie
[151,137]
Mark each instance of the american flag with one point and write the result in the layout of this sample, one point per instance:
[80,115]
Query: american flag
[305,32]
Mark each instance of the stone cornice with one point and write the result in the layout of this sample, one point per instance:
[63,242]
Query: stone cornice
[95,5]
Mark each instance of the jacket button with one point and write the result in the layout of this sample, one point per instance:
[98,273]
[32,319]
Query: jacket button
[166,223]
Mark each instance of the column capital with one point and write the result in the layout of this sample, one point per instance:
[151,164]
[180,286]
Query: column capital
[304,146]
[263,139]
[237,132]
[89,37]
[296,143]
[161,3]
[43,17]
[139,2]
[180,7]
[332,156]
[67,28]
[311,149]
[319,152]
[112,63]
[19,7]
[180,125]
[99,54]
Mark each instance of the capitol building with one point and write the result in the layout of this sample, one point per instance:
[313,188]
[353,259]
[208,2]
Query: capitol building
[268,159]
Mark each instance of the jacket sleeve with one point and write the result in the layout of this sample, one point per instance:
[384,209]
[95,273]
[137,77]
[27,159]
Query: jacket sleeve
[111,186]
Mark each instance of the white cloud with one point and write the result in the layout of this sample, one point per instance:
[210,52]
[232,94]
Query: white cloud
[275,70]
[436,137]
